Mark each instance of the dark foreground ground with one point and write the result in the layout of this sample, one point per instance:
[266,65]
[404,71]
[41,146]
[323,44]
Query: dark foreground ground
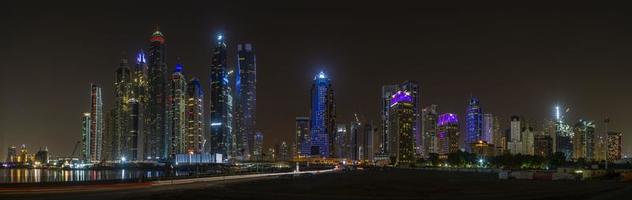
[373,184]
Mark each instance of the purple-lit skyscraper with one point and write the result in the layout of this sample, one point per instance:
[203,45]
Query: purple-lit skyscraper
[401,117]
[448,135]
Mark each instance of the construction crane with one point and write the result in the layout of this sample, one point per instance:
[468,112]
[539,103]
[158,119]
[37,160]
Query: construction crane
[75,149]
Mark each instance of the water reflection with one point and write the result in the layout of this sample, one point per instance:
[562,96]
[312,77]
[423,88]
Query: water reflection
[59,175]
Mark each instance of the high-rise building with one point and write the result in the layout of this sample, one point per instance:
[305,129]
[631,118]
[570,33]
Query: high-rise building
[86,124]
[323,118]
[401,117]
[515,145]
[542,145]
[614,142]
[246,99]
[12,154]
[429,129]
[527,134]
[135,125]
[221,101]
[387,94]
[413,88]
[564,135]
[194,115]
[354,139]
[282,150]
[473,123]
[368,141]
[258,146]
[156,134]
[341,141]
[95,139]
[488,128]
[302,136]
[176,112]
[499,138]
[122,94]
[42,156]
[584,140]
[448,134]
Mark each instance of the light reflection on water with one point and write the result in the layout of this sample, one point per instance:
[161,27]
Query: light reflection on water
[58,175]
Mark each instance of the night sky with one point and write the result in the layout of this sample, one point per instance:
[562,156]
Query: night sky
[516,60]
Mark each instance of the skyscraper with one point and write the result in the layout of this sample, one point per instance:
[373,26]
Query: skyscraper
[341,141]
[429,129]
[354,139]
[564,135]
[515,140]
[177,106]
[367,143]
[323,118]
[614,142]
[220,101]
[473,123]
[303,136]
[258,146]
[96,124]
[447,135]
[584,140]
[413,88]
[134,128]
[387,94]
[194,116]
[122,94]
[246,99]
[401,117]
[86,122]
[156,135]
[488,128]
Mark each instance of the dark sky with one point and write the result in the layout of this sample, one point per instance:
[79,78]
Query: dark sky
[516,60]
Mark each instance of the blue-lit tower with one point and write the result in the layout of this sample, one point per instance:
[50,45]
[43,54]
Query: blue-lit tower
[473,123]
[246,100]
[156,138]
[323,120]
[220,102]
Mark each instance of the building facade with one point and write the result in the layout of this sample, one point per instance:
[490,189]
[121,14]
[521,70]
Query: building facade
[95,139]
[429,129]
[177,102]
[448,134]
[323,118]
[221,119]
[246,99]
[156,135]
[302,136]
[473,124]
[615,143]
[401,117]
[194,117]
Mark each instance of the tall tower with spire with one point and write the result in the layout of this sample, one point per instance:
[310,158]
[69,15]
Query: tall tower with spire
[323,118]
[220,122]
[246,100]
[156,137]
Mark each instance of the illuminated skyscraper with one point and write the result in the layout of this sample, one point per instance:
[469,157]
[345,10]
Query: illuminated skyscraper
[564,135]
[488,128]
[221,102]
[448,134]
[258,146]
[413,88]
[584,140]
[134,128]
[515,145]
[341,141]
[302,136]
[401,117]
[367,145]
[194,116]
[473,123]
[323,118]
[387,93]
[246,99]
[615,140]
[177,106]
[95,140]
[86,122]
[122,94]
[429,129]
[156,135]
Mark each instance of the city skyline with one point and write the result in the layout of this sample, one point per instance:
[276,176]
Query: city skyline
[291,70]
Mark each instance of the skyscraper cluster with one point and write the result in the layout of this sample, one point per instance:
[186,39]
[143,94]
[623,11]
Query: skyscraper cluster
[159,113]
